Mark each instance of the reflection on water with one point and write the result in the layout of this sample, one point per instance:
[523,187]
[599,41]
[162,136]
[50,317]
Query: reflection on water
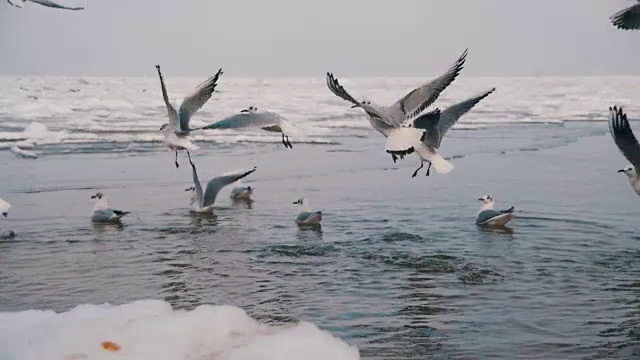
[309,233]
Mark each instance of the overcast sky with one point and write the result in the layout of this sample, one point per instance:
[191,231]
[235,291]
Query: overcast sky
[309,38]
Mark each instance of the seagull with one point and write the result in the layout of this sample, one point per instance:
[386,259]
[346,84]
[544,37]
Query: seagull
[628,145]
[306,216]
[203,202]
[241,193]
[387,119]
[251,118]
[487,216]
[102,213]
[628,18]
[47,3]
[4,208]
[435,125]
[177,130]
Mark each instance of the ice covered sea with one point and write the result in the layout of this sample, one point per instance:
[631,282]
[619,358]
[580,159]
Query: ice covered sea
[398,269]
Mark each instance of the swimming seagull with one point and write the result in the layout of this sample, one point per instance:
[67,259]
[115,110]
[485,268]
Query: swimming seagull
[628,145]
[386,119]
[435,125]
[628,18]
[47,3]
[102,213]
[251,118]
[487,216]
[203,202]
[241,193]
[306,216]
[177,130]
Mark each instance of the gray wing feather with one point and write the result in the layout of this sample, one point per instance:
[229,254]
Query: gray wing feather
[453,113]
[304,216]
[420,98]
[429,122]
[247,120]
[171,111]
[196,101]
[624,138]
[628,18]
[487,215]
[216,184]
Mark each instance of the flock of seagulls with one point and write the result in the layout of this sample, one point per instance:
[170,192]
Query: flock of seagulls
[407,125]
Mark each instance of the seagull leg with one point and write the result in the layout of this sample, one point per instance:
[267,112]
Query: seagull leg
[189,156]
[177,165]
[429,168]
[283,141]
[394,157]
[416,172]
[289,143]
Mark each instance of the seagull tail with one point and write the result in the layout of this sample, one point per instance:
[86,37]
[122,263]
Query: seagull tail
[440,164]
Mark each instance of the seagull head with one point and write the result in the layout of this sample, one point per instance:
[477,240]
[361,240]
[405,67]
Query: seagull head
[97,196]
[363,102]
[629,171]
[250,109]
[487,199]
[5,214]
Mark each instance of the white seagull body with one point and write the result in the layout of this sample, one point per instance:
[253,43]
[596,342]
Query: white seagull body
[47,3]
[176,131]
[628,18]
[202,202]
[252,118]
[102,213]
[4,208]
[628,145]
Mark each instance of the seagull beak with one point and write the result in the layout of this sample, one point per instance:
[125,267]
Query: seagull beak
[621,170]
[5,214]
[93,197]
[355,106]
[481,199]
[244,111]
[187,189]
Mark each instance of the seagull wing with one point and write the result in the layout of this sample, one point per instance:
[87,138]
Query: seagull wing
[21,2]
[628,18]
[420,98]
[51,4]
[195,101]
[339,91]
[453,113]
[624,138]
[247,120]
[4,206]
[196,184]
[216,184]
[173,115]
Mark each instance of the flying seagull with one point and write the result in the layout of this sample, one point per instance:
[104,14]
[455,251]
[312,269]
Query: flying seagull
[306,217]
[252,118]
[385,119]
[102,213]
[628,145]
[202,202]
[47,3]
[628,18]
[490,217]
[176,131]
[435,125]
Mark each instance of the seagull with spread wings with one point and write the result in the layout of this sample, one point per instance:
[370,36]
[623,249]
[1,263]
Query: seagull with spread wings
[202,201]
[176,131]
[388,120]
[628,145]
